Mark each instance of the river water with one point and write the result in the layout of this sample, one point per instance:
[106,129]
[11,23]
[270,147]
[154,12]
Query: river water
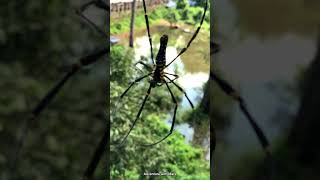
[260,63]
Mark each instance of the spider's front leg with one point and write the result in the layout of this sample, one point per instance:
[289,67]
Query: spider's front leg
[148,29]
[193,36]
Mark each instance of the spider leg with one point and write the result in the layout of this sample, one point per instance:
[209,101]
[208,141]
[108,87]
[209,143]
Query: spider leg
[148,29]
[229,90]
[173,119]
[101,148]
[138,115]
[147,66]
[135,81]
[97,3]
[180,88]
[193,36]
[175,76]
[89,59]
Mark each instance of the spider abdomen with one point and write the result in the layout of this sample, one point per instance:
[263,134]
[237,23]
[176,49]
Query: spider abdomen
[161,56]
[160,60]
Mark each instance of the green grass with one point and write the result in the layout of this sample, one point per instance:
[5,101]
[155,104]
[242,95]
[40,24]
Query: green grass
[121,25]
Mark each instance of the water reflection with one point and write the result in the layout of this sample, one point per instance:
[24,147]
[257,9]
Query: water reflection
[268,59]
[252,62]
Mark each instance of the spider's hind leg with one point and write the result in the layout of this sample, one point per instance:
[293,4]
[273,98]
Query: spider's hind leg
[138,115]
[173,119]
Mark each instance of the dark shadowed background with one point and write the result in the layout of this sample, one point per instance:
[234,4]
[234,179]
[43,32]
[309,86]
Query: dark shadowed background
[38,42]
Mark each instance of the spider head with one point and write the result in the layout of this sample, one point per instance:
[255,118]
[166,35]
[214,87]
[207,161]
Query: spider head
[164,39]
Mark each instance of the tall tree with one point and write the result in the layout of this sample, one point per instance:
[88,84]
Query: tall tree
[133,11]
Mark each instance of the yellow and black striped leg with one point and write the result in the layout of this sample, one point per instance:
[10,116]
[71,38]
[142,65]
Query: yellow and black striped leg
[193,36]
[135,81]
[180,88]
[175,76]
[146,66]
[138,115]
[173,119]
[148,29]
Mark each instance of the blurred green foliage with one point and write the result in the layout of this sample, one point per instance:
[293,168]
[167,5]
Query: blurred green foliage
[183,13]
[182,4]
[123,25]
[131,161]
[38,41]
